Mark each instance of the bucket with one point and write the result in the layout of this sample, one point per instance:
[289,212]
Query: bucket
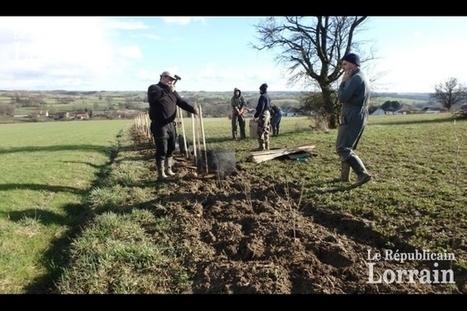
[221,162]
[253,129]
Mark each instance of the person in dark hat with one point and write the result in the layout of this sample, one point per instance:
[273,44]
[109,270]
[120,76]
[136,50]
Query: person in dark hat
[276,117]
[163,101]
[354,94]
[263,117]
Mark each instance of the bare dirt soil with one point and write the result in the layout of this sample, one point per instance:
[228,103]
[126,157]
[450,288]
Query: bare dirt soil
[248,236]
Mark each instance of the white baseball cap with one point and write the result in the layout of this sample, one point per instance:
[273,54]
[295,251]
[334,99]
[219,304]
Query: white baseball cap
[169,74]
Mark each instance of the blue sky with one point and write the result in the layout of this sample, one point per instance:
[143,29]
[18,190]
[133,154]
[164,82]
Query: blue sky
[210,54]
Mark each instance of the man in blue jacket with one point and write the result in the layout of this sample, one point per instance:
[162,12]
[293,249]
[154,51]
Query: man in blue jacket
[263,117]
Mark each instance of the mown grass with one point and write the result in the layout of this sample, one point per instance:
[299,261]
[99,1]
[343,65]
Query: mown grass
[417,197]
[47,170]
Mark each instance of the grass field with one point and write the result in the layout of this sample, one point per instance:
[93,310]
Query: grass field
[47,170]
[58,177]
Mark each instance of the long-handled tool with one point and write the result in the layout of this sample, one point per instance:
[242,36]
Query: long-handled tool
[206,164]
[193,128]
[183,137]
[199,164]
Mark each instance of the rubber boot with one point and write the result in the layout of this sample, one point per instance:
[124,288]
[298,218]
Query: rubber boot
[242,133]
[161,170]
[168,166]
[266,146]
[359,168]
[274,132]
[277,131]
[261,147]
[345,173]
[234,135]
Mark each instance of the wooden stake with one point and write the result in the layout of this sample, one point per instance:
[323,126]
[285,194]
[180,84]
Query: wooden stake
[204,138]
[193,127]
[180,117]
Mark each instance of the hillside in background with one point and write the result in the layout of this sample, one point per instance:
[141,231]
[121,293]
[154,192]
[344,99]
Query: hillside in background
[127,104]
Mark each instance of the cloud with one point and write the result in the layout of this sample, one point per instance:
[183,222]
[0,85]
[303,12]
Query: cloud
[126,25]
[55,50]
[213,77]
[131,52]
[150,36]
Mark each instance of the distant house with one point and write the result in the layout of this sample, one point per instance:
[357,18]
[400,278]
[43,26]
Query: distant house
[291,112]
[40,113]
[431,110]
[61,115]
[390,110]
[81,116]
[372,109]
[402,111]
[378,112]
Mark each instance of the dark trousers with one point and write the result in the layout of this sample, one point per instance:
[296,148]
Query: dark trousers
[276,121]
[164,138]
[241,122]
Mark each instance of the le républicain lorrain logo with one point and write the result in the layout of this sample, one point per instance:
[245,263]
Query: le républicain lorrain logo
[423,276]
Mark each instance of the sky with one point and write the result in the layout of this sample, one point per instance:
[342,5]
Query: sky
[212,54]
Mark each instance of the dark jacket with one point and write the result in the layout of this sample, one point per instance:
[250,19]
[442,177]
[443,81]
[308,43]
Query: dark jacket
[264,104]
[237,102]
[275,110]
[163,104]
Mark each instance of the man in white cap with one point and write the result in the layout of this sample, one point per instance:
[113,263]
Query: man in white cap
[163,101]
[354,94]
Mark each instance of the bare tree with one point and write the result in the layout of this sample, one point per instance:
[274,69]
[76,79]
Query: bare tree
[311,48]
[449,93]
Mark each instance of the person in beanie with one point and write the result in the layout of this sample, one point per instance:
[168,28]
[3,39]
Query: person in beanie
[263,117]
[354,94]
[276,117]
[238,104]
[163,101]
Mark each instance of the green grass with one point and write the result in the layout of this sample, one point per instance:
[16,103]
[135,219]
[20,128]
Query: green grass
[47,171]
[52,171]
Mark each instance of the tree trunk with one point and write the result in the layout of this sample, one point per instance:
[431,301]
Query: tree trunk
[333,121]
[331,107]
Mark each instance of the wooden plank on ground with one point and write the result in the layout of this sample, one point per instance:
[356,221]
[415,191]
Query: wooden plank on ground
[261,156]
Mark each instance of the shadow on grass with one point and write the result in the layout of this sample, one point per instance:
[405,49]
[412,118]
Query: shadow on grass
[97,148]
[77,217]
[56,258]
[39,187]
